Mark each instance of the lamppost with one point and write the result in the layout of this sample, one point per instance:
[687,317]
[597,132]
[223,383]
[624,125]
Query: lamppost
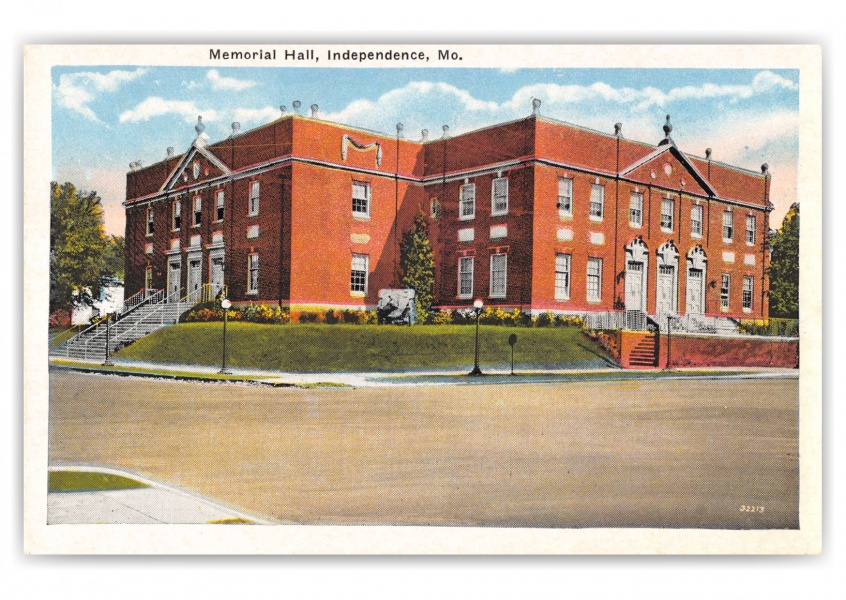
[225,304]
[108,362]
[477,306]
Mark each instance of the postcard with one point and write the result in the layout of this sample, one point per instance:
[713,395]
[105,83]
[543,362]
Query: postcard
[422,299]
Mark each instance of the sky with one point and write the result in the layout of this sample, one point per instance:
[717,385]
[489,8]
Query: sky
[105,118]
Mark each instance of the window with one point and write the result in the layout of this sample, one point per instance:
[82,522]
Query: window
[253,274]
[220,206]
[177,215]
[750,229]
[499,266]
[198,211]
[254,198]
[358,273]
[668,207]
[636,210]
[465,277]
[728,226]
[562,276]
[499,197]
[565,197]
[468,201]
[361,199]
[594,279]
[725,286]
[597,202]
[748,284]
[148,279]
[696,220]
[150,221]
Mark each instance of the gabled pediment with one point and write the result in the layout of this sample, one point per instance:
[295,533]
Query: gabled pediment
[668,167]
[199,164]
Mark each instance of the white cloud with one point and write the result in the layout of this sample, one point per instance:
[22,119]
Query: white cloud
[228,83]
[76,91]
[155,106]
[256,115]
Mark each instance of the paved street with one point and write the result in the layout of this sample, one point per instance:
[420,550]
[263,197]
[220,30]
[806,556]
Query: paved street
[672,453]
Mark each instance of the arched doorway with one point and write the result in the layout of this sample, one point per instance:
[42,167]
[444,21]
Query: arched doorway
[697,266]
[637,263]
[667,279]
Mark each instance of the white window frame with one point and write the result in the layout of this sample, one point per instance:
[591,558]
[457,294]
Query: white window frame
[597,199]
[636,209]
[668,218]
[751,229]
[220,206]
[176,215]
[354,284]
[495,290]
[696,214]
[255,198]
[198,210]
[565,196]
[596,294]
[497,212]
[725,291]
[150,227]
[358,212]
[728,226]
[748,293]
[253,268]
[463,272]
[467,202]
[563,271]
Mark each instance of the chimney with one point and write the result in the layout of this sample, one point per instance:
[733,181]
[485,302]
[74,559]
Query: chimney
[314,108]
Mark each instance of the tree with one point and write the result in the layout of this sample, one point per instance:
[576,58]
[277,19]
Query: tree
[417,262]
[784,267]
[114,257]
[77,243]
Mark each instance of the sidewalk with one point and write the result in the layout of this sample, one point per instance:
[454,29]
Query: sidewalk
[458,376]
[150,502]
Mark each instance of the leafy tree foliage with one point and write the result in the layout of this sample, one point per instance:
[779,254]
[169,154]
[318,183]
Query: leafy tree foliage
[114,258]
[784,267]
[77,243]
[417,262]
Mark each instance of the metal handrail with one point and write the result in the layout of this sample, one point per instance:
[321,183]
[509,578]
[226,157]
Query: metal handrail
[157,311]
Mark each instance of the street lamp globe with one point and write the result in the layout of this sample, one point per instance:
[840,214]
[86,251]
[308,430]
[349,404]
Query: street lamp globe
[226,304]
[478,304]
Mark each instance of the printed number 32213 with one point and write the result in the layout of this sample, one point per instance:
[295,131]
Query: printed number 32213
[752,509]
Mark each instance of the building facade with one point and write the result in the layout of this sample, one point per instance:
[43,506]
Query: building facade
[534,214]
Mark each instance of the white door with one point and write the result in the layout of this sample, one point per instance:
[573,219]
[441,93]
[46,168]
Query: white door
[148,281]
[195,278]
[634,286]
[666,289]
[694,291]
[216,273]
[174,274]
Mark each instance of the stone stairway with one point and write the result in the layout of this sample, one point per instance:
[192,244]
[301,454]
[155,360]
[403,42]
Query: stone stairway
[645,354]
[141,320]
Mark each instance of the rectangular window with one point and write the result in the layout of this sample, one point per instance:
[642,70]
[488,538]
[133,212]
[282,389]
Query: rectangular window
[177,216]
[361,199]
[668,207]
[728,226]
[725,287]
[254,198]
[465,277]
[499,197]
[696,220]
[358,273]
[562,276]
[220,206]
[594,279]
[467,209]
[636,210]
[198,211]
[150,221]
[748,285]
[750,229]
[565,197]
[499,266]
[253,274]
[597,202]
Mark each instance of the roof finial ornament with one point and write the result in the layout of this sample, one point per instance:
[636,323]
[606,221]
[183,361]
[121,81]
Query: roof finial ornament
[199,127]
[296,104]
[536,106]
[765,168]
[446,131]
[425,134]
[283,109]
[400,127]
[668,127]
[708,153]
[169,151]
[618,129]
[236,127]
[314,109]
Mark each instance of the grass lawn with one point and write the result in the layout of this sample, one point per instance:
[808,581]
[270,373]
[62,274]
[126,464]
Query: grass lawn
[323,348]
[80,481]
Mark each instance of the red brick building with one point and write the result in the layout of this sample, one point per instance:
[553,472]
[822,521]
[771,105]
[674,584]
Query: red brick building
[534,213]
